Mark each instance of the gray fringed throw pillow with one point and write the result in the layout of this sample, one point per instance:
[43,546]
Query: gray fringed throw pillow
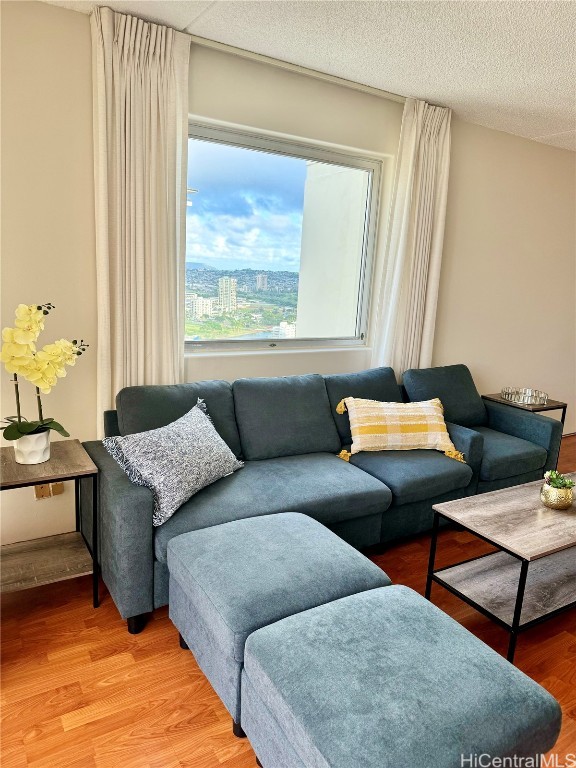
[175,461]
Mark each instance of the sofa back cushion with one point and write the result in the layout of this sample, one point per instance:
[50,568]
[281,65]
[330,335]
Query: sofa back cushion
[111,428]
[284,416]
[149,407]
[454,385]
[374,384]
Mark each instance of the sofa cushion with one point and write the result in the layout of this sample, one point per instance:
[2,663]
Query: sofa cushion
[375,384]
[454,385]
[379,426]
[149,407]
[175,461]
[385,679]
[284,416]
[414,475]
[506,456]
[320,485]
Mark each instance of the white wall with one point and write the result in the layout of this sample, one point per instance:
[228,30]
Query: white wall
[507,304]
[48,224]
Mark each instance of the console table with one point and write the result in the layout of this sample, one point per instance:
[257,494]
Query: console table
[551,405]
[68,461]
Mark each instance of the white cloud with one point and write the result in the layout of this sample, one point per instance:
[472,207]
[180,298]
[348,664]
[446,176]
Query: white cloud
[261,240]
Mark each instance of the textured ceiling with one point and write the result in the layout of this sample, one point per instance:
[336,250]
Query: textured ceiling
[504,64]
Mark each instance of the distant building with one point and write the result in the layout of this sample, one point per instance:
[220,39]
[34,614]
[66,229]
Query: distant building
[227,294]
[284,330]
[199,306]
[261,282]
[334,200]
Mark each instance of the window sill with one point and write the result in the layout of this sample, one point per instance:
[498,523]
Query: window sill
[286,351]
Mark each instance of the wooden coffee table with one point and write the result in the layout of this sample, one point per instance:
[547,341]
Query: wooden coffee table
[531,577]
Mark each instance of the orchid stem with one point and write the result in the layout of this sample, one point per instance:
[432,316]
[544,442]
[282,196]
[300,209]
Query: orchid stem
[39,401]
[17,392]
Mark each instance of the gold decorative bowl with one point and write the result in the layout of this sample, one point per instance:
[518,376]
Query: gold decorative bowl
[556,498]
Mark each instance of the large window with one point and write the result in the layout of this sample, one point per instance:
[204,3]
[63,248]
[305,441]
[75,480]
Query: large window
[279,241]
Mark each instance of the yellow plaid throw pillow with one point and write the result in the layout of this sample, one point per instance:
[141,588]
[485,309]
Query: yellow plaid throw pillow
[377,426]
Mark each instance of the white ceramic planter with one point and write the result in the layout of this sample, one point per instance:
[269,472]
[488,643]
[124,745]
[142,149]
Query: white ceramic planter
[33,449]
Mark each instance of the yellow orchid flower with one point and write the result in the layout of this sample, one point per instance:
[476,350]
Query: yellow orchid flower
[17,365]
[26,335]
[41,368]
[27,312]
[10,350]
[29,322]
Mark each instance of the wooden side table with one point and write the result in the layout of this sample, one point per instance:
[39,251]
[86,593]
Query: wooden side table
[551,405]
[68,461]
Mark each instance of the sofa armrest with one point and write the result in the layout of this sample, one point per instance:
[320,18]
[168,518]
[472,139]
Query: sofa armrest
[527,425]
[125,535]
[471,444]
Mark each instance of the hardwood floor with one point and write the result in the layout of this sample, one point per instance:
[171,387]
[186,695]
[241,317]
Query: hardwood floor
[567,459]
[79,692]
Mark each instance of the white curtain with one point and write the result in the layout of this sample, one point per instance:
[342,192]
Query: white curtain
[140,90]
[409,293]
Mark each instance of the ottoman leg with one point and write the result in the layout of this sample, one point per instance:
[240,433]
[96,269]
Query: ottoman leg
[237,730]
[183,643]
[259,763]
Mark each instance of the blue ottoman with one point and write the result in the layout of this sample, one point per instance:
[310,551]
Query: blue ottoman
[384,679]
[229,580]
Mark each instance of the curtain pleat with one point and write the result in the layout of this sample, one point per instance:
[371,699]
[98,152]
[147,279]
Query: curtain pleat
[409,291]
[140,95]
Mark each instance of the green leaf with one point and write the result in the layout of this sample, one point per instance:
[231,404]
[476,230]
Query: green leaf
[14,430]
[29,427]
[11,432]
[58,428]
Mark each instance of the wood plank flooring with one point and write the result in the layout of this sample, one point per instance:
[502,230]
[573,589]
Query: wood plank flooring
[79,692]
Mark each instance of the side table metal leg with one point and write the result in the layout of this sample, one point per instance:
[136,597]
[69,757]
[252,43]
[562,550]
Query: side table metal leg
[562,421]
[432,558]
[95,566]
[517,610]
[77,502]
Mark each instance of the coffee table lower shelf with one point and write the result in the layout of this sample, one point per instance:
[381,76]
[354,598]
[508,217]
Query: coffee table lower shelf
[490,584]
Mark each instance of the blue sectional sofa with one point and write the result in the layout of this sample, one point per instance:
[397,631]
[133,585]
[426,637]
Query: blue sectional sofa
[288,434]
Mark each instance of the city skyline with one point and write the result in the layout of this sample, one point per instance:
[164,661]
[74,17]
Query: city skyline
[240,304]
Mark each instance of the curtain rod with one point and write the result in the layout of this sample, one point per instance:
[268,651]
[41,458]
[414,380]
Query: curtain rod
[244,54]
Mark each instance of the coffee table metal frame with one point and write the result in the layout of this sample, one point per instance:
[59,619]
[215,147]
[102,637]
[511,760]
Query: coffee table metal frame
[515,627]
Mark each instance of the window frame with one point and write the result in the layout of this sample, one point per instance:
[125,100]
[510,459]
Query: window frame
[323,152]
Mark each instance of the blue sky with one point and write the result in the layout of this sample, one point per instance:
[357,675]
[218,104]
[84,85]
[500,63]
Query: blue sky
[247,212]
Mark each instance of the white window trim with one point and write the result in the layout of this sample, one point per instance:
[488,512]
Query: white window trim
[266,141]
